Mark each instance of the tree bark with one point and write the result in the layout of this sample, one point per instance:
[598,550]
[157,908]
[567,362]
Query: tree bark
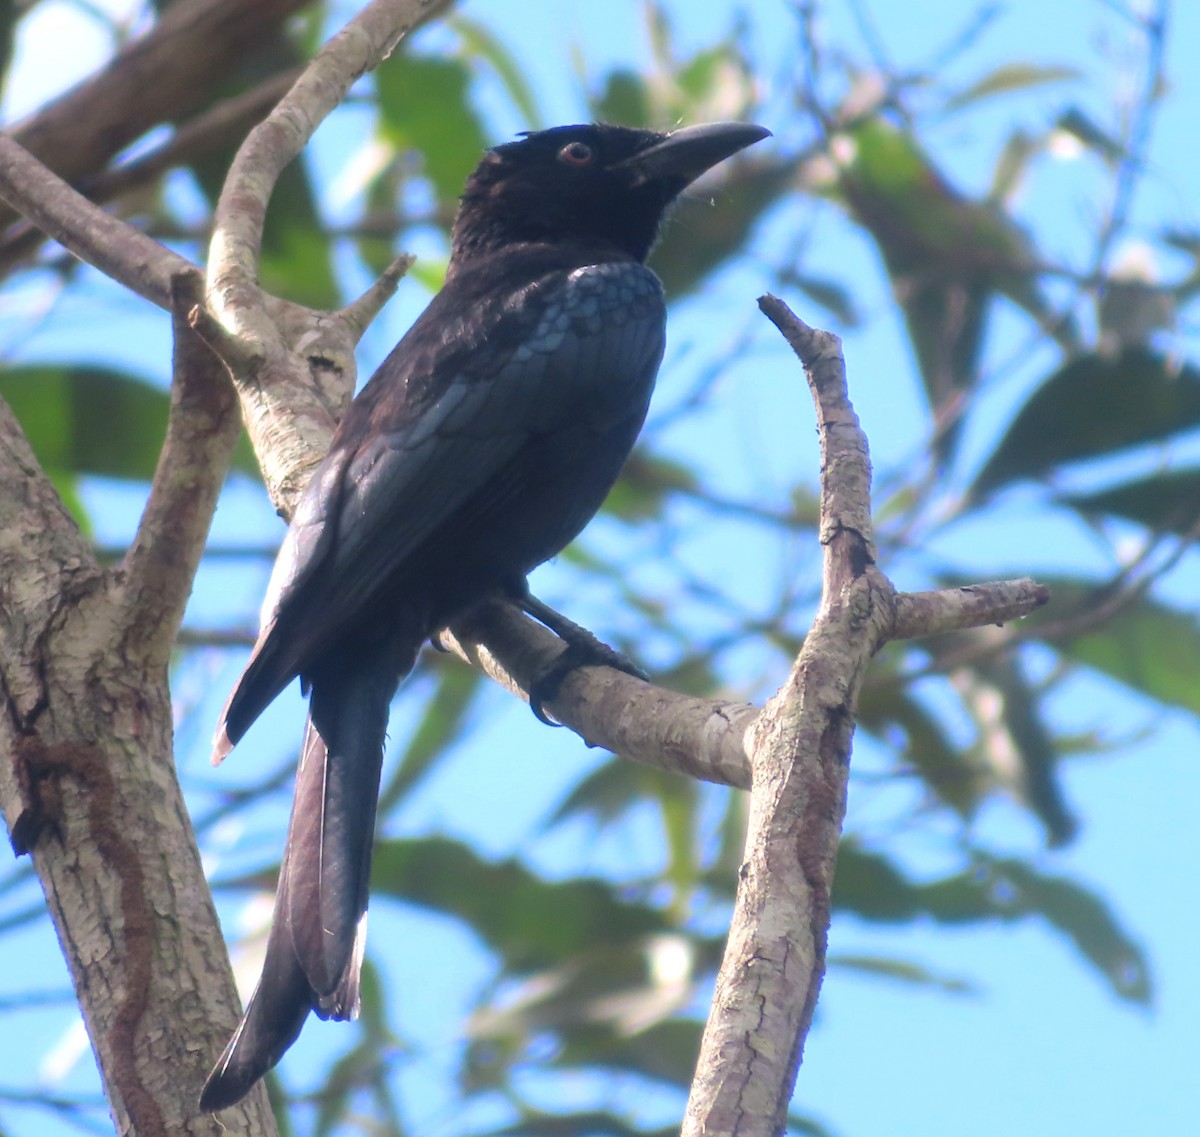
[89,790]
[799,756]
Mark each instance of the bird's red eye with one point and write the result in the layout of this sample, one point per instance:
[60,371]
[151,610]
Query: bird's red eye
[576,154]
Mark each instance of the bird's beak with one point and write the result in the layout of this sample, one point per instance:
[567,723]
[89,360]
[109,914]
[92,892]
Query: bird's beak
[683,155]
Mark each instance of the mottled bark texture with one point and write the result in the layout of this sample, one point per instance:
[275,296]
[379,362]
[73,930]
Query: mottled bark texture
[88,780]
[799,756]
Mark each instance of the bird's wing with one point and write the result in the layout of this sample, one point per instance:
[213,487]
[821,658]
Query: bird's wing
[434,442]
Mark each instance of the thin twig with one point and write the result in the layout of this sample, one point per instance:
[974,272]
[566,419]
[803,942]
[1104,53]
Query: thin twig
[1154,27]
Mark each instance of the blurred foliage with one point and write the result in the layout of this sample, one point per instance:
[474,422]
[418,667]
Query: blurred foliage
[1049,433]
[68,412]
[605,977]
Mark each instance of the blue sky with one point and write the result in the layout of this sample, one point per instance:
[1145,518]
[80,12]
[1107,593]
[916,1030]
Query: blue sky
[1041,1047]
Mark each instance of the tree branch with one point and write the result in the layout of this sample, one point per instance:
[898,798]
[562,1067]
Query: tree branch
[770,976]
[703,738]
[43,558]
[219,126]
[202,429]
[799,750]
[953,609]
[181,59]
[291,404]
[89,791]
[116,248]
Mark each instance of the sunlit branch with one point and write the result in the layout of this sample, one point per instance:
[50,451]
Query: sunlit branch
[116,248]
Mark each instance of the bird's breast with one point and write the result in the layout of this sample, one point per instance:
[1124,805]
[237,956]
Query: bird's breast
[600,335]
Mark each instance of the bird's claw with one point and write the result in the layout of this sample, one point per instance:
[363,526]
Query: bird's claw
[583,650]
[586,651]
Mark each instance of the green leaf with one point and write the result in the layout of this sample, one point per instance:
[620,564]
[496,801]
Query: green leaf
[425,105]
[1082,126]
[1011,165]
[947,257]
[364,1067]
[295,261]
[1166,502]
[1082,917]
[916,216]
[1041,788]
[834,297]
[1008,78]
[678,801]
[604,794]
[603,992]
[995,890]
[645,483]
[1011,724]
[429,272]
[375,238]
[903,971]
[1149,646]
[1185,240]
[532,922]
[871,886]
[591,1005]
[481,41]
[93,420]
[89,420]
[623,99]
[666,1051]
[1094,406]
[885,708]
[704,72]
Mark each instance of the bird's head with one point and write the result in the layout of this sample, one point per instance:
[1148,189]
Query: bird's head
[596,184]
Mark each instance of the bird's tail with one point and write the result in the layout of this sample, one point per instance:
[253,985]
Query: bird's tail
[314,951]
[273,664]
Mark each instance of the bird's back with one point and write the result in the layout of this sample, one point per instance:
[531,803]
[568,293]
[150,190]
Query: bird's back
[479,449]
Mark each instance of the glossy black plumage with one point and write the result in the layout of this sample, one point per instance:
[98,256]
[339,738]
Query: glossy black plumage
[483,444]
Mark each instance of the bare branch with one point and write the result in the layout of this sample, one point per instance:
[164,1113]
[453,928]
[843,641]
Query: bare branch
[42,556]
[291,409]
[774,960]
[953,609]
[202,430]
[799,750]
[359,313]
[89,790]
[221,125]
[702,738]
[181,59]
[1129,585]
[114,247]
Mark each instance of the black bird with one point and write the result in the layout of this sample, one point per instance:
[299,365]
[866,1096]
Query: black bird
[483,444]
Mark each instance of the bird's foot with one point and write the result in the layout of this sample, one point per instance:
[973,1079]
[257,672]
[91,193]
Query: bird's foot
[583,650]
